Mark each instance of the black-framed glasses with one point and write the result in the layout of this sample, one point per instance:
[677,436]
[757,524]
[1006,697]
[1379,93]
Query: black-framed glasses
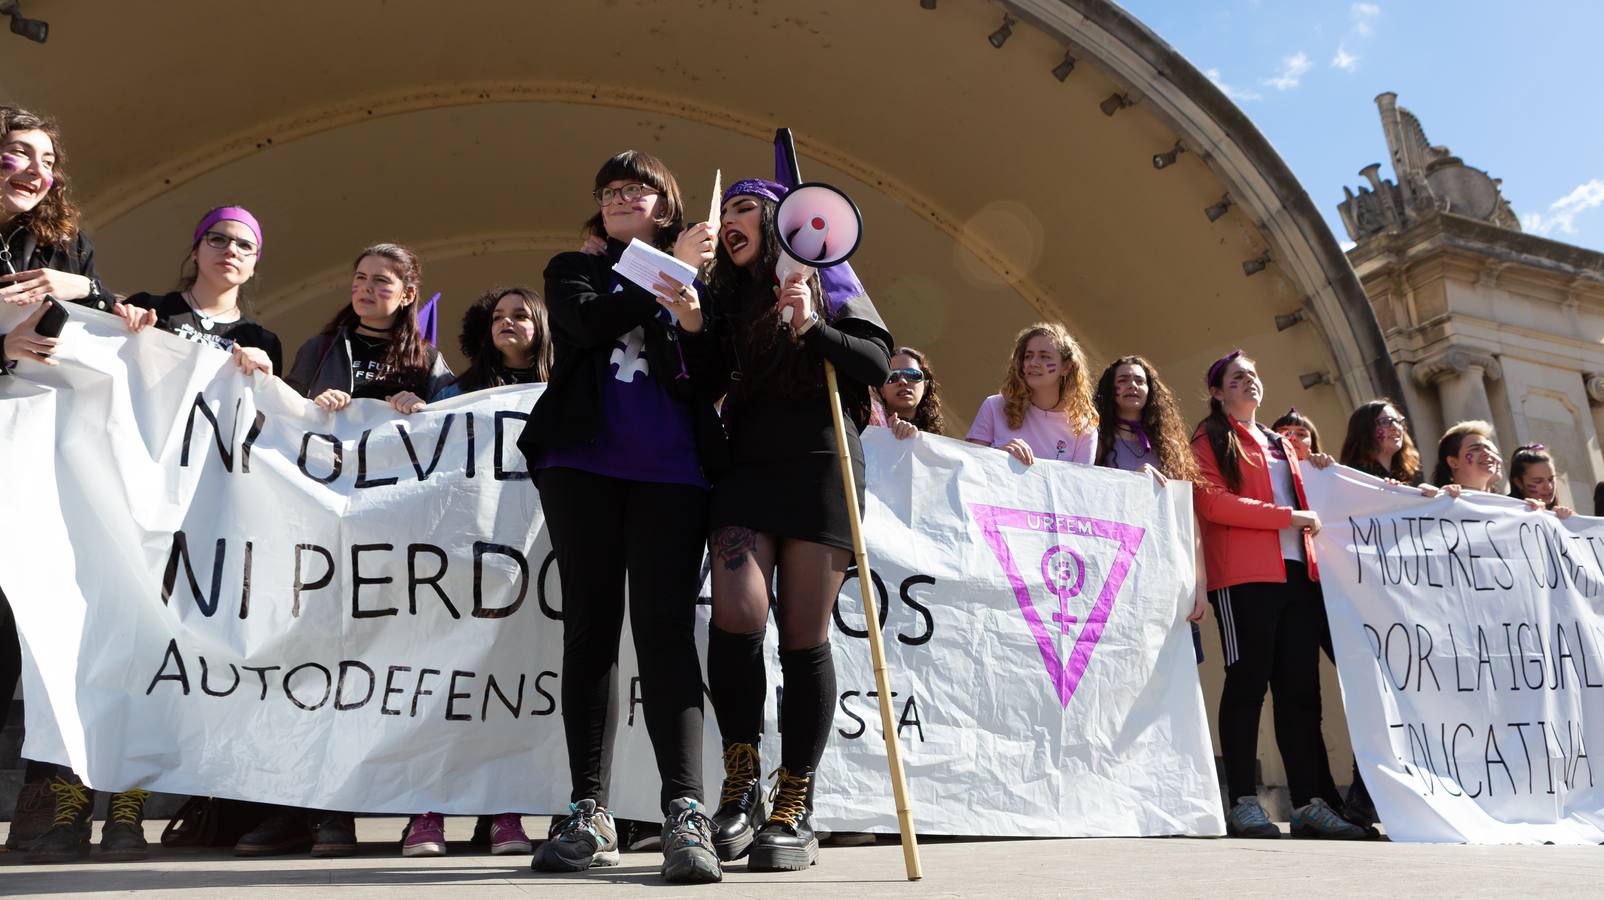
[1390,421]
[911,376]
[630,192]
[220,241]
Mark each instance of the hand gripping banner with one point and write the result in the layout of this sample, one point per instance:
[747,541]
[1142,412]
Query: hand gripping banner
[223,590]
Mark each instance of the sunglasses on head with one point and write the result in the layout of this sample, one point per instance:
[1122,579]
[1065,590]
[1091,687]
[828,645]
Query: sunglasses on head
[911,376]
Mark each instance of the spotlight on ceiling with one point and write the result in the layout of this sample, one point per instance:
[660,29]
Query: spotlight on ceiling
[1003,32]
[1310,379]
[1115,102]
[927,4]
[1166,159]
[1287,320]
[32,29]
[1062,70]
[1219,209]
[1256,265]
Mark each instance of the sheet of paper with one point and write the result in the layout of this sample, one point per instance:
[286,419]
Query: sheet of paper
[712,206]
[642,262]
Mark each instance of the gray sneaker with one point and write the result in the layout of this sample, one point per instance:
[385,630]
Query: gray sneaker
[688,854]
[1247,820]
[1318,820]
[587,838]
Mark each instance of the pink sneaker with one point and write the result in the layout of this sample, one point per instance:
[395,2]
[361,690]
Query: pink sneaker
[425,836]
[507,835]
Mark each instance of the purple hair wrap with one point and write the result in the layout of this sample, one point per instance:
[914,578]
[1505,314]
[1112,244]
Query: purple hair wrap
[1219,365]
[756,187]
[233,214]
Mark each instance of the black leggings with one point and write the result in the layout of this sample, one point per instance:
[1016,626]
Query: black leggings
[1357,792]
[603,529]
[1270,633]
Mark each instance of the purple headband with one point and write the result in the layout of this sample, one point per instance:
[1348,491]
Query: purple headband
[1219,364]
[756,187]
[234,214]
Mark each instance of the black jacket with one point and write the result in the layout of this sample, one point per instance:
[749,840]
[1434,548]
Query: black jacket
[324,363]
[78,259]
[586,321]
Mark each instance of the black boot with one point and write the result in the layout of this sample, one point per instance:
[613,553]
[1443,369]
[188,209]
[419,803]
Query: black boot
[335,834]
[786,841]
[740,805]
[67,839]
[122,838]
[284,831]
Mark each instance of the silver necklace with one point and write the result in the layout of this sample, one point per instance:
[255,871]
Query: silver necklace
[206,321]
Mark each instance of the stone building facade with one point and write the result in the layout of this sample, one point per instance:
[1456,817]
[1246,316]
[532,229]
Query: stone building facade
[1483,320]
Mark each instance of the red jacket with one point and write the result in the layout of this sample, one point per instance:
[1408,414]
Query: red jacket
[1241,543]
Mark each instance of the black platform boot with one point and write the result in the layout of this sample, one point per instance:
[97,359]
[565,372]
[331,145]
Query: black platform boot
[786,841]
[740,805]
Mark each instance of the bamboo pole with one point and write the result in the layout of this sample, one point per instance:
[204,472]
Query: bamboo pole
[877,651]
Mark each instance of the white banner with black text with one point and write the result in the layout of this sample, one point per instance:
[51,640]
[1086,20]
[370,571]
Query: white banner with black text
[1467,634]
[223,590]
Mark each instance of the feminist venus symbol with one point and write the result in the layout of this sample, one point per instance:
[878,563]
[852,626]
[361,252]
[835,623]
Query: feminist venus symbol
[1056,571]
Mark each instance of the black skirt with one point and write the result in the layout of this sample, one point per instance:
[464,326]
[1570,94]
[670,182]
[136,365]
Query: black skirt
[798,496]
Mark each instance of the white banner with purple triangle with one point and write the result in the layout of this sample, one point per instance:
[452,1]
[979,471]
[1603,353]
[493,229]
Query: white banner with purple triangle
[222,590]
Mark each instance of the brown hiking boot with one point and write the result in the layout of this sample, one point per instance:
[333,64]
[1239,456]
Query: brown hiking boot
[67,839]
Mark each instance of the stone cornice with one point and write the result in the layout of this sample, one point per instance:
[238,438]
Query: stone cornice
[1456,361]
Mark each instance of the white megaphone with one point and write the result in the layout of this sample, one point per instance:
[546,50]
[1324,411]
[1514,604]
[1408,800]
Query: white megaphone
[819,226]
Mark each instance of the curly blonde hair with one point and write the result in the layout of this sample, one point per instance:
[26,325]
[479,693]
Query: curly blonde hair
[1074,387]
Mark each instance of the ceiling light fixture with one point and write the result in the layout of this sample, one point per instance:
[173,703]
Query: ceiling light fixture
[1003,32]
[1115,102]
[33,29]
[1219,209]
[1062,70]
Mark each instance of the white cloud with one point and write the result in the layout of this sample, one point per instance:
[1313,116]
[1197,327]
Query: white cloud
[1346,245]
[1362,15]
[1234,94]
[1344,60]
[1292,71]
[1562,213]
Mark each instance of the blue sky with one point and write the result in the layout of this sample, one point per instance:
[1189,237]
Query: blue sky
[1508,87]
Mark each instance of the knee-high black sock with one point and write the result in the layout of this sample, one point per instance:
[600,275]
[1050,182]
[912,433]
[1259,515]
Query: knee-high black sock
[807,706]
[736,683]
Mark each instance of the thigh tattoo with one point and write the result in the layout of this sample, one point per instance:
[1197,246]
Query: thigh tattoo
[733,544]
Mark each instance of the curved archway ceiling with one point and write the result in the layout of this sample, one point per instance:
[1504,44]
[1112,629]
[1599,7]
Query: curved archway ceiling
[993,194]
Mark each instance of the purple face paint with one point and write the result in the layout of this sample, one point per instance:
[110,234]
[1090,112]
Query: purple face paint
[11,162]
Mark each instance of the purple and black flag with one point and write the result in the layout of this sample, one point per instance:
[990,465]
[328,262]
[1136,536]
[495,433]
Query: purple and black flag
[429,320]
[844,294]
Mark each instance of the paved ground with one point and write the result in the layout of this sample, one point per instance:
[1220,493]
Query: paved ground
[1008,869]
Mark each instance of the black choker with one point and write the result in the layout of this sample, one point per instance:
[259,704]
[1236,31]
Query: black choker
[361,327]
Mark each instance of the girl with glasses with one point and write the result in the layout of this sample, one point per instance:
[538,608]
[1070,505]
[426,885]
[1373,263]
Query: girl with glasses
[780,519]
[1378,443]
[622,442]
[209,305]
[911,396]
[1262,581]
[1045,408]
